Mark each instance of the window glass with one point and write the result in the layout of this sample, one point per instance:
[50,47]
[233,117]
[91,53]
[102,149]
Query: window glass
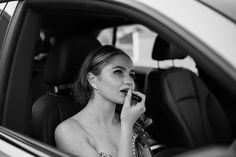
[6,12]
[10,7]
[105,36]
[137,41]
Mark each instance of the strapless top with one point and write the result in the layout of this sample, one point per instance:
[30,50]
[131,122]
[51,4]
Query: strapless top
[102,154]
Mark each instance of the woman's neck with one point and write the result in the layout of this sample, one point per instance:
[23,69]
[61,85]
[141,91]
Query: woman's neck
[101,111]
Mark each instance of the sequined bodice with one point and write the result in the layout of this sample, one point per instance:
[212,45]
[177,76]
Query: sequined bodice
[102,154]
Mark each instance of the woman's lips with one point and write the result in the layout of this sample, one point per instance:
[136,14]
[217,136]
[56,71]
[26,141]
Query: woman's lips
[134,96]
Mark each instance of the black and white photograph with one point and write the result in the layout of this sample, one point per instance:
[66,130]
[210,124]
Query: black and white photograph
[117,78]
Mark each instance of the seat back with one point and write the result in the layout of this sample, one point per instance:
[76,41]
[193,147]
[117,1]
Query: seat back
[186,113]
[61,70]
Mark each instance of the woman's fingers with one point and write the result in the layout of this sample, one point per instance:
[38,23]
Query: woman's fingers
[128,98]
[130,113]
[142,102]
[139,94]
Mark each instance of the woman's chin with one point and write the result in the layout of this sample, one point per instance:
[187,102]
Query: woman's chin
[120,101]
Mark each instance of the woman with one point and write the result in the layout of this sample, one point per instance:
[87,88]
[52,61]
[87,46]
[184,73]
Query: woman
[99,130]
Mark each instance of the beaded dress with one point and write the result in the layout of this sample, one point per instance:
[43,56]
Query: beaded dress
[140,138]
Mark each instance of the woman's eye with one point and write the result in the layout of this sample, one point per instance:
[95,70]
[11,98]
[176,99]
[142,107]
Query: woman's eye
[132,76]
[118,72]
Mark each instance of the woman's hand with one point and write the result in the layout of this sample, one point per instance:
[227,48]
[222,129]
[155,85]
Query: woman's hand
[130,113]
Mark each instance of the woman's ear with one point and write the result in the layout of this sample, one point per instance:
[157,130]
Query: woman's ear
[92,80]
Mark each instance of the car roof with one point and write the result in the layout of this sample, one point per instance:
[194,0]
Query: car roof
[225,7]
[204,24]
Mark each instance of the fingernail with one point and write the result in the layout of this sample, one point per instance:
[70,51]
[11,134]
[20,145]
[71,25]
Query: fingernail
[129,91]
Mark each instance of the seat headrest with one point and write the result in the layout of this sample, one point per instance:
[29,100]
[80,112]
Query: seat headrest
[163,50]
[66,57]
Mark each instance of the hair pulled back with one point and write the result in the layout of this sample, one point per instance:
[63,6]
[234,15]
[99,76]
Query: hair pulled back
[93,63]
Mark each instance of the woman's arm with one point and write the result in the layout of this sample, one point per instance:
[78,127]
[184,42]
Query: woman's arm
[125,147]
[129,115]
[71,138]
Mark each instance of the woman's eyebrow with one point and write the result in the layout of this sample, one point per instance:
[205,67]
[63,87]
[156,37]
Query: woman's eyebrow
[132,70]
[119,67]
[123,68]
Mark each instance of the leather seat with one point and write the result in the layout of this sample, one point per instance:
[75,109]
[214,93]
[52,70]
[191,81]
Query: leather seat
[61,70]
[184,111]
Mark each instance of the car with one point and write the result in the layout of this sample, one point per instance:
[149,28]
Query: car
[184,57]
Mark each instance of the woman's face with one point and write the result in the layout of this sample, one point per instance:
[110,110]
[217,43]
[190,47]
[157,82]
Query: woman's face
[118,74]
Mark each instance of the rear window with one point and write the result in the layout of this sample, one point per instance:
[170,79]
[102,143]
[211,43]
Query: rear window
[137,41]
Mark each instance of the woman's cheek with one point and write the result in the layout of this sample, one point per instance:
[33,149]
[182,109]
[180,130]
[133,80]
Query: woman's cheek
[134,86]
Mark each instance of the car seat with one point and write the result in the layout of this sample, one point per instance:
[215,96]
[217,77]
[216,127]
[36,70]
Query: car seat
[184,111]
[63,63]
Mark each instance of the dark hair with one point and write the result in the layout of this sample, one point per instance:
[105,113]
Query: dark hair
[93,63]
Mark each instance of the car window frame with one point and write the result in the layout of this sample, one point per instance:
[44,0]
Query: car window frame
[3,18]
[28,145]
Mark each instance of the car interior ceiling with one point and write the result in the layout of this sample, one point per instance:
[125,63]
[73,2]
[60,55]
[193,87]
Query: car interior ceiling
[60,25]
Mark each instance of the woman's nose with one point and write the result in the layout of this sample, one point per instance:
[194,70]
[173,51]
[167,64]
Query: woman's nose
[129,81]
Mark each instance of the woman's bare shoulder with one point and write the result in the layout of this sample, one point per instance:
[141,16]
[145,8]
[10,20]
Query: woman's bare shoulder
[70,127]
[71,137]
[69,133]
